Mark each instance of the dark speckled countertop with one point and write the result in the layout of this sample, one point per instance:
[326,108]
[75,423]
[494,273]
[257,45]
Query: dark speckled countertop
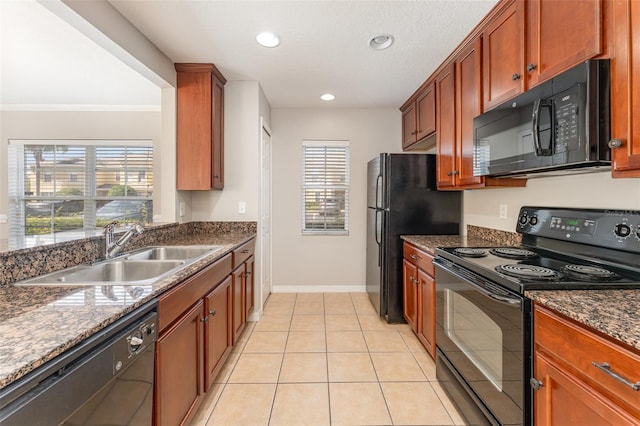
[39,323]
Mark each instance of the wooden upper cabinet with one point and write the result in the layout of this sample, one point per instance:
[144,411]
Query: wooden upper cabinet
[446,127]
[625,96]
[426,104]
[409,125]
[503,55]
[561,34]
[468,105]
[419,118]
[200,129]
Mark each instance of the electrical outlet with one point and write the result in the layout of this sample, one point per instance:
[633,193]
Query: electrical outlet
[182,209]
[242,207]
[503,211]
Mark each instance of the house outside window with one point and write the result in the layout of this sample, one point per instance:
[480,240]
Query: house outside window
[58,186]
[325,187]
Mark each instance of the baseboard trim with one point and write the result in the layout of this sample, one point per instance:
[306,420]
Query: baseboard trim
[318,289]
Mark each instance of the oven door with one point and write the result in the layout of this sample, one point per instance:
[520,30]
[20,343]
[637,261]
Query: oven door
[481,334]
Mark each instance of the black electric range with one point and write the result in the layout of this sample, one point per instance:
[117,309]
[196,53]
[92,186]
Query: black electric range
[483,317]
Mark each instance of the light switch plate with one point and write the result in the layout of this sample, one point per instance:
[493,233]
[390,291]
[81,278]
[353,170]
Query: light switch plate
[242,207]
[503,211]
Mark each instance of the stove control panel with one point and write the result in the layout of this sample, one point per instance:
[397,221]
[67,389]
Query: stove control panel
[616,229]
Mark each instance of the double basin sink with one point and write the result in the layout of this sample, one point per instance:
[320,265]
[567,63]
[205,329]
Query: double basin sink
[143,266]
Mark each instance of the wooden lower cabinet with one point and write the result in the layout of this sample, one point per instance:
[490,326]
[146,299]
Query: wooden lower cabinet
[419,295]
[249,287]
[179,369]
[217,336]
[238,295]
[571,390]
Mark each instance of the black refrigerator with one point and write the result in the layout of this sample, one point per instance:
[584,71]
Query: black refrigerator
[402,199]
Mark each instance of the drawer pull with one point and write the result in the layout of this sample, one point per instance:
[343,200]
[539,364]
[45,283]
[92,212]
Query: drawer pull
[245,251]
[212,312]
[414,257]
[204,320]
[607,369]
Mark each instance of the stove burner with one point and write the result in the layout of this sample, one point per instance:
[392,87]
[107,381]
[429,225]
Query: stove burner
[590,273]
[513,253]
[519,270]
[470,252]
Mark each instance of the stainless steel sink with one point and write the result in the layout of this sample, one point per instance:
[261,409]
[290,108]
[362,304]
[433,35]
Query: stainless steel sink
[172,252]
[143,266]
[113,272]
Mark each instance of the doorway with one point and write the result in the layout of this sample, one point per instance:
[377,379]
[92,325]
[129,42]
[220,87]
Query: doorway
[265,211]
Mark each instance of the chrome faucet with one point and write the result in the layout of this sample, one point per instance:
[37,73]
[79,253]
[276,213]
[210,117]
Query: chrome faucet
[112,248]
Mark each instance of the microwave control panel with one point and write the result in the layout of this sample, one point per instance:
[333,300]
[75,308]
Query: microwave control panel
[567,119]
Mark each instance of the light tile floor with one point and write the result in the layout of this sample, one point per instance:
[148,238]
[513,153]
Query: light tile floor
[326,359]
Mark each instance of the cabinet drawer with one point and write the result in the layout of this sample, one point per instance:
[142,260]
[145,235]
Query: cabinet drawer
[243,252]
[421,259]
[177,300]
[578,348]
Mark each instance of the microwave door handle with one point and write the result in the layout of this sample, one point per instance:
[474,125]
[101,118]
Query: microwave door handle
[536,128]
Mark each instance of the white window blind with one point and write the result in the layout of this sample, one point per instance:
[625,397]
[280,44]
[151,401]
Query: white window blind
[59,186]
[325,187]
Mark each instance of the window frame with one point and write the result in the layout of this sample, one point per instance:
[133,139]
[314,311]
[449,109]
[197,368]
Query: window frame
[345,186]
[19,198]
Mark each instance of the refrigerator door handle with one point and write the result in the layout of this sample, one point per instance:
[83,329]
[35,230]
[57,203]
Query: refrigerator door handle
[378,235]
[377,205]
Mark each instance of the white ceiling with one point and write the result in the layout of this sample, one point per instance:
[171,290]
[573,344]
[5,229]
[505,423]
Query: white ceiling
[323,49]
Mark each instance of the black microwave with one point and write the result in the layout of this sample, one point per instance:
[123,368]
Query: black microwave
[561,126]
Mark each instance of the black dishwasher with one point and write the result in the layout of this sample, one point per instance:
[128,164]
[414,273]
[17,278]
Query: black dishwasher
[105,380]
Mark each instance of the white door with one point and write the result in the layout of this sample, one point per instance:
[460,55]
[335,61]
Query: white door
[265,212]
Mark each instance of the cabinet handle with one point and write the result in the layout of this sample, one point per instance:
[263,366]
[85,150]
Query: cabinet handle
[535,383]
[213,312]
[615,143]
[515,77]
[415,132]
[204,320]
[414,257]
[248,273]
[607,369]
[449,173]
[531,67]
[245,251]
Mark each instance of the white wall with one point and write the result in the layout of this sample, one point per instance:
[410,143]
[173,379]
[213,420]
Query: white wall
[323,263]
[75,125]
[597,190]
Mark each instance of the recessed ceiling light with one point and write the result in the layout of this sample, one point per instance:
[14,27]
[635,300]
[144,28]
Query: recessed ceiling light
[381,41]
[267,39]
[327,97]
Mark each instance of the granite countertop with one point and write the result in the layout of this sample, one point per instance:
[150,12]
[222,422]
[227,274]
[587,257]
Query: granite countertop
[429,243]
[39,323]
[612,312]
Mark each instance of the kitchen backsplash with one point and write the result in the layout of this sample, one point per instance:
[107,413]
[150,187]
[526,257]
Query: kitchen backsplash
[20,264]
[503,237]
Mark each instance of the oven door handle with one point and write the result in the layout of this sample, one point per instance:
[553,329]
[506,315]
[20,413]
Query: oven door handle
[476,283]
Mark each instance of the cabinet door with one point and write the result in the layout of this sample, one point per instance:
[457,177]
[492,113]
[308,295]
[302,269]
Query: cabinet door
[427,311]
[468,105]
[503,55]
[446,125]
[217,151]
[625,96]
[193,130]
[217,336]
[249,287]
[561,34]
[426,104]
[564,399]
[180,369]
[410,293]
[409,126]
[238,294]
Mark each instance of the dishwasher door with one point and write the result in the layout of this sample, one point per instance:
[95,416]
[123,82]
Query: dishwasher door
[110,383]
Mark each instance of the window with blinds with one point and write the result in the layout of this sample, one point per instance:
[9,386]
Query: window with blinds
[325,187]
[59,186]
